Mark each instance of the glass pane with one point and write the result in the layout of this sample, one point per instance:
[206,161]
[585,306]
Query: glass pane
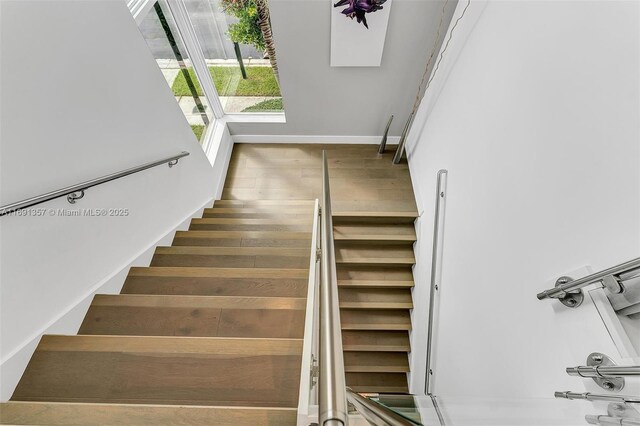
[160,32]
[243,75]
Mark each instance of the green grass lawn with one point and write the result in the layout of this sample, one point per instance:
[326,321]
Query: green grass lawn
[268,105]
[197,130]
[229,82]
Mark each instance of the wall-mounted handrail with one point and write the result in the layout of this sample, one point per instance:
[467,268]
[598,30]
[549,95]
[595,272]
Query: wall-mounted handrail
[332,384]
[588,396]
[436,271]
[374,413]
[69,191]
[615,271]
[600,371]
[611,421]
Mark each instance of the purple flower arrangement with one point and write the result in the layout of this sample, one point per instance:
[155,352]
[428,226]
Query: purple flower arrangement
[359,8]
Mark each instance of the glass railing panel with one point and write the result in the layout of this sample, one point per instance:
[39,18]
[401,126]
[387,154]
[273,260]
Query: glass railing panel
[404,405]
[461,411]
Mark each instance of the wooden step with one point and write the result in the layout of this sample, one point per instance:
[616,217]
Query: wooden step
[202,316]
[364,319]
[281,215]
[267,211]
[375,341]
[262,203]
[374,284]
[232,257]
[375,239]
[242,239]
[227,224]
[375,298]
[366,254]
[376,234]
[378,382]
[259,282]
[375,217]
[164,370]
[374,272]
[65,413]
[376,362]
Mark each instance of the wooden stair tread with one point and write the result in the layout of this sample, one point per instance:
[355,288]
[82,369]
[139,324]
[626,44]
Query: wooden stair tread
[374,216]
[377,382]
[164,370]
[267,210]
[372,238]
[262,203]
[238,224]
[270,235]
[374,272]
[282,216]
[376,305]
[356,253]
[346,229]
[216,287]
[199,302]
[218,272]
[202,316]
[259,221]
[66,413]
[358,260]
[375,284]
[357,319]
[234,251]
[242,239]
[239,257]
[376,362]
[375,341]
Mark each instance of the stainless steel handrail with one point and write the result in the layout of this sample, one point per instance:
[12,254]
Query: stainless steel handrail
[588,396]
[80,187]
[374,413]
[332,384]
[611,421]
[603,371]
[561,290]
[436,271]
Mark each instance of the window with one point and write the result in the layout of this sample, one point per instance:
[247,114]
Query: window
[242,73]
[213,54]
[159,30]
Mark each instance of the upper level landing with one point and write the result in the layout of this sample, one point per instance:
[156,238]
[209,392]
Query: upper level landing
[361,179]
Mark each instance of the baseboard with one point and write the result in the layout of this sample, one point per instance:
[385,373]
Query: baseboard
[68,322]
[320,139]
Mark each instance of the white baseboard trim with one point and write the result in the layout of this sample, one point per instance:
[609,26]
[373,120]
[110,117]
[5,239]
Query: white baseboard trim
[320,139]
[68,321]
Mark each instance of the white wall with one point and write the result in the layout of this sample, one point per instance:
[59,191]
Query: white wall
[82,97]
[535,116]
[351,101]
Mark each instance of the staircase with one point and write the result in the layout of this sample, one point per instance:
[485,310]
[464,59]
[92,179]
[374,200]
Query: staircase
[210,333]
[374,257]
